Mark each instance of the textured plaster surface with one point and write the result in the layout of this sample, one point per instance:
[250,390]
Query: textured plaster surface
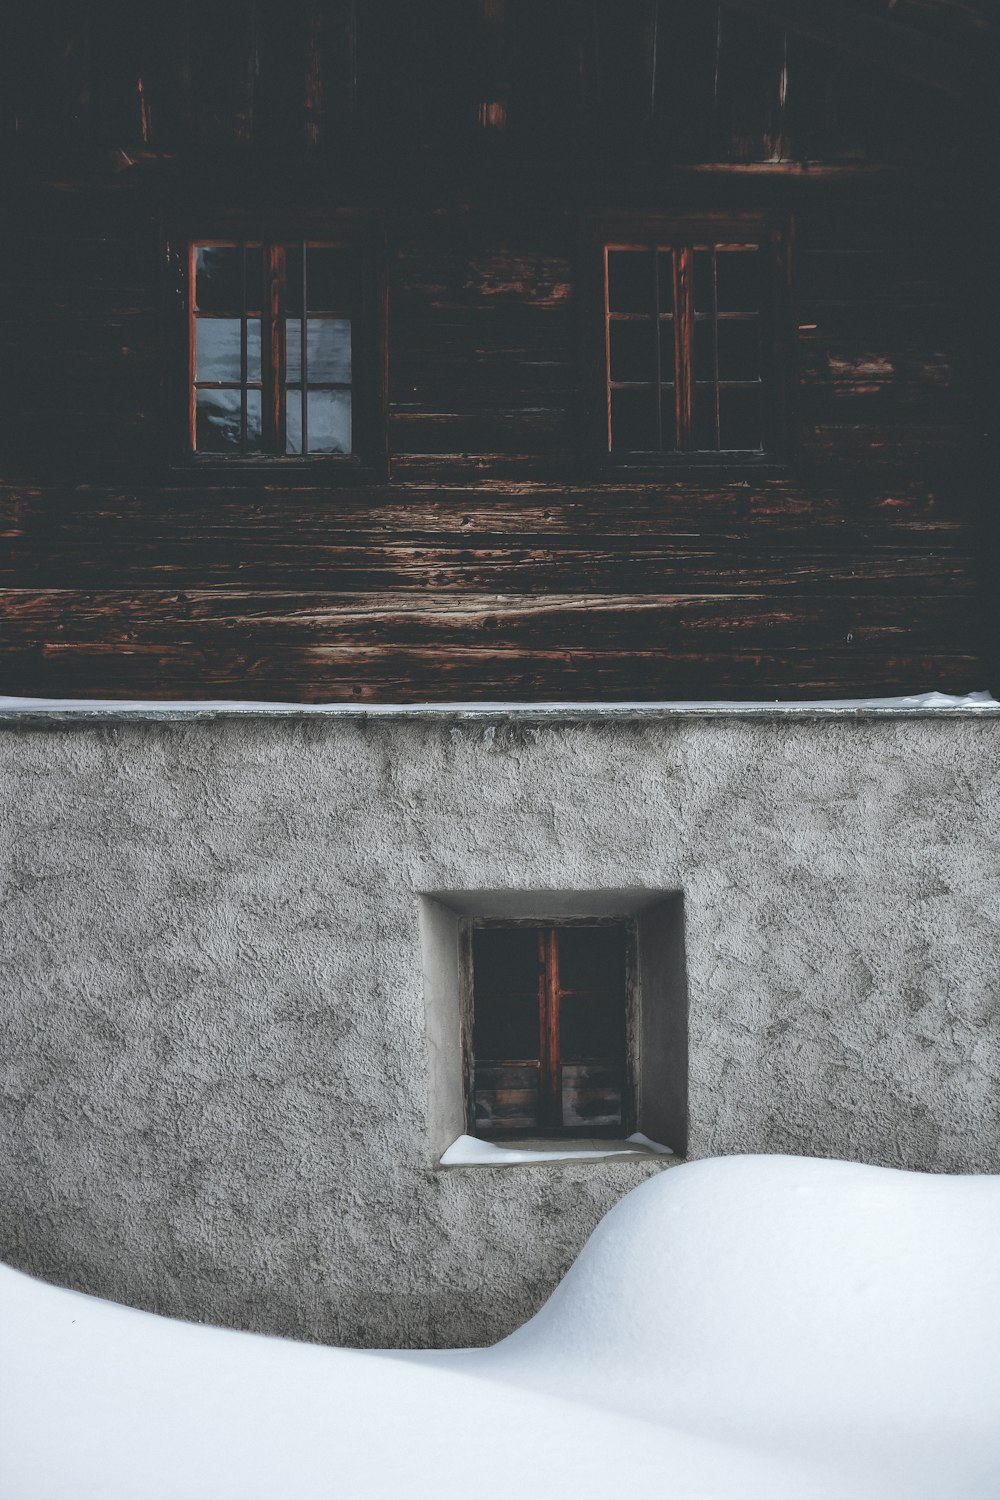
[214,1097]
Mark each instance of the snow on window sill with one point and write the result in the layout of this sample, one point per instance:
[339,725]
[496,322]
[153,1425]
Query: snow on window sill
[468,1151]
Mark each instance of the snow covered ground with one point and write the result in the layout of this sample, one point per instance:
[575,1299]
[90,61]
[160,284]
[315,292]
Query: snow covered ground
[769,1327]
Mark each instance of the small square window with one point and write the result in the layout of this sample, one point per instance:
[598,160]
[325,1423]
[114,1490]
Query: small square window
[550,1029]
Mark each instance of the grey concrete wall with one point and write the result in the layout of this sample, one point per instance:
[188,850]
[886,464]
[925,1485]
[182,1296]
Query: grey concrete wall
[216,1054]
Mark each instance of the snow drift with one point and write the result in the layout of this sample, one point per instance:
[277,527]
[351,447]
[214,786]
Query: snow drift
[747,1327]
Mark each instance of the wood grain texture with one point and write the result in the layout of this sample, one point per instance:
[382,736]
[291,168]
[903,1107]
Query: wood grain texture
[499,556]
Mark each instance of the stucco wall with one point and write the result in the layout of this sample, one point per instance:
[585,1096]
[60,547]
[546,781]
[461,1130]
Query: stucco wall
[215,1097]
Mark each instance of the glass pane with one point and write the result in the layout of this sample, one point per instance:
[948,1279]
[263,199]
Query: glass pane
[666,264]
[253,348]
[505,981]
[293,278]
[740,419]
[293,420]
[591,1096]
[217,424]
[704,350]
[255,278]
[293,349]
[593,958]
[331,277]
[506,1098]
[738,274]
[669,409]
[631,288]
[704,417]
[739,350]
[329,415]
[702,281]
[633,350]
[218,279]
[591,1026]
[217,349]
[667,353]
[254,428]
[633,420]
[328,350]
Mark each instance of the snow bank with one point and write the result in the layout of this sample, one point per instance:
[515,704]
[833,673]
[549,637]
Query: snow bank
[915,702]
[469,1151]
[751,1328]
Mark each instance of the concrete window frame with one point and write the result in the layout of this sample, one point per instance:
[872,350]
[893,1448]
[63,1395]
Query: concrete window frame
[659,999]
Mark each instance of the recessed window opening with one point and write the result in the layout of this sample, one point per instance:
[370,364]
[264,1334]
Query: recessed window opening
[550,1032]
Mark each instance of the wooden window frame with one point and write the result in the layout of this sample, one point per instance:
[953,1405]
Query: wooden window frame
[549,1128]
[682,233]
[362,233]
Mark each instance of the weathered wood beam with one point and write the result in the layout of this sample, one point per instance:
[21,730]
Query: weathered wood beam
[879,43]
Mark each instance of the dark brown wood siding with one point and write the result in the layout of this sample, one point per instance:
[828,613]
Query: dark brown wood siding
[499,559]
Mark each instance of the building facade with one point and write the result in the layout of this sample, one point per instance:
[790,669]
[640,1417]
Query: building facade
[497,374]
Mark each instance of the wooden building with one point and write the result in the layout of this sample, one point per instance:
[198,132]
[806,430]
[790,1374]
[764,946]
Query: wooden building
[361,350]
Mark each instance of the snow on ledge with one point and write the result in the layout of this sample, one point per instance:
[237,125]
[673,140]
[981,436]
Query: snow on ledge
[467,1151]
[211,708]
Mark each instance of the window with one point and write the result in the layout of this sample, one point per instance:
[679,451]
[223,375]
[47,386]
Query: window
[284,350]
[691,370]
[549,1031]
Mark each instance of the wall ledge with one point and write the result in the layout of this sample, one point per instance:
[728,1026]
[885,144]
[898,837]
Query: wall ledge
[921,705]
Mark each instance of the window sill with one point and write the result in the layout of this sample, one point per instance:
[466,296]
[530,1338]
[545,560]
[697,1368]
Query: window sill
[731,466]
[335,470]
[469,1151]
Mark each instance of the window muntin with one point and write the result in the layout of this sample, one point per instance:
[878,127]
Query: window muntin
[272,348]
[549,1029]
[685,359]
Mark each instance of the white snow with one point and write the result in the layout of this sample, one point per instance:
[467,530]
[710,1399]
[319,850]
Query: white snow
[468,1151]
[748,1328]
[918,702]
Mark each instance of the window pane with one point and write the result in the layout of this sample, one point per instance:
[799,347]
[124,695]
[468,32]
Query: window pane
[704,350]
[667,353]
[506,1098]
[739,350]
[329,415]
[631,288]
[666,264]
[293,420]
[633,420]
[328,350]
[740,419]
[217,426]
[505,977]
[254,428]
[218,279]
[704,417]
[591,1026]
[738,273]
[293,349]
[633,351]
[591,1096]
[253,348]
[702,281]
[669,417]
[217,349]
[592,958]
[331,276]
